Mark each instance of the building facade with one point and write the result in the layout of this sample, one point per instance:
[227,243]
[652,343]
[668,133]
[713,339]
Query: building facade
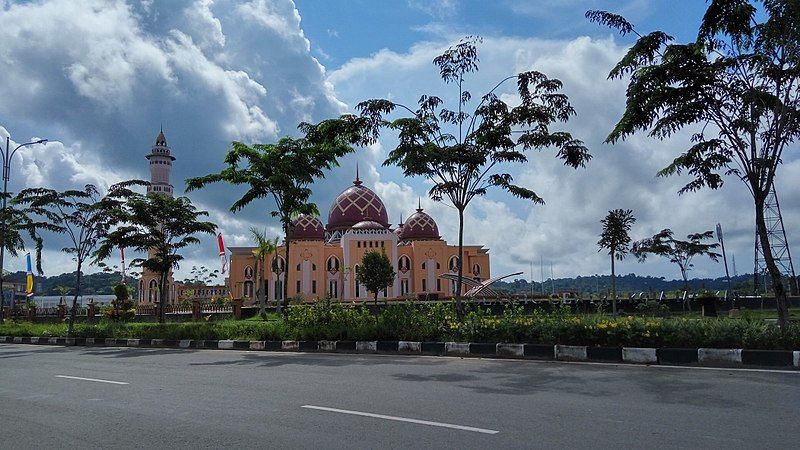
[324,259]
[160,161]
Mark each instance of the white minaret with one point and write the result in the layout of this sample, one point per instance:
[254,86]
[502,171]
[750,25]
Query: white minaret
[160,167]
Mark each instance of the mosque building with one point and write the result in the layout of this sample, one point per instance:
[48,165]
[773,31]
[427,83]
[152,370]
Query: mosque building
[325,258]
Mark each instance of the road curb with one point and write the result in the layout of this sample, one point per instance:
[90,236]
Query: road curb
[715,357]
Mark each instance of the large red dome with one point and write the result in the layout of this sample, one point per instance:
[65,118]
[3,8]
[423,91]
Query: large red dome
[356,204]
[419,226]
[307,227]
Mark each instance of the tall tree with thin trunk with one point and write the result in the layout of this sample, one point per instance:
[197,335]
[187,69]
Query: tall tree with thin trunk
[264,248]
[285,171]
[614,238]
[737,86]
[462,153]
[81,215]
[677,251]
[159,226]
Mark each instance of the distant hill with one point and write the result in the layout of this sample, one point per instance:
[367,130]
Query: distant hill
[625,283]
[93,284]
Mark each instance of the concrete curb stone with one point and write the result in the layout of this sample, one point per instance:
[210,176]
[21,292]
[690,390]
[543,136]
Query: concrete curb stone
[510,350]
[110,342]
[409,347]
[796,358]
[18,339]
[345,346]
[367,346]
[225,344]
[719,355]
[676,355]
[185,343]
[482,348]
[386,346]
[257,345]
[778,358]
[273,345]
[327,346]
[308,346]
[639,355]
[571,352]
[613,354]
[539,351]
[433,348]
[133,342]
[289,346]
[456,348]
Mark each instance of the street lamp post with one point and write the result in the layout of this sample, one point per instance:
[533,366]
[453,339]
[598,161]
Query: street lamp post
[7,154]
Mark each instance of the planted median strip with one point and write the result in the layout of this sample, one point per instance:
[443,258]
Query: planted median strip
[714,357]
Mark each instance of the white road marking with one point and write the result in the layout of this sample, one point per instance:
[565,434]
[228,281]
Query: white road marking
[402,419]
[90,379]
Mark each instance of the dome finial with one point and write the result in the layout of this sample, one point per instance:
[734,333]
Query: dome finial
[357,181]
[401,220]
[419,204]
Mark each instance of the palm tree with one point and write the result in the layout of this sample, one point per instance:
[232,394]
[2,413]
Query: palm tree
[616,240]
[264,247]
[284,171]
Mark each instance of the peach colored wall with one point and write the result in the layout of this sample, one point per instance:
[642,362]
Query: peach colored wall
[316,253]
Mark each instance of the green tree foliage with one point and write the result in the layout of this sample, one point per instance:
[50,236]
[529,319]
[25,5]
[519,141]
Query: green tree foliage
[737,83]
[376,272]
[285,171]
[614,238]
[462,153]
[81,215]
[264,248]
[160,226]
[19,222]
[678,252]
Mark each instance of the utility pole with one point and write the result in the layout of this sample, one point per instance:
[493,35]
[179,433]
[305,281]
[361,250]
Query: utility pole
[724,258]
[7,154]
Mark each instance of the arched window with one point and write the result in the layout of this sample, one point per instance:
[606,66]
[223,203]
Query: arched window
[423,265]
[248,289]
[278,265]
[333,264]
[404,263]
[358,285]
[313,267]
[476,270]
[298,267]
[438,266]
[153,291]
[453,264]
[248,272]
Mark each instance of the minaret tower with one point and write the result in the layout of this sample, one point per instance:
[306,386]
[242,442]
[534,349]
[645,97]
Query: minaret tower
[160,167]
[160,170]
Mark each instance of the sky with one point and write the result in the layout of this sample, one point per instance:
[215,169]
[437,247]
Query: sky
[99,78]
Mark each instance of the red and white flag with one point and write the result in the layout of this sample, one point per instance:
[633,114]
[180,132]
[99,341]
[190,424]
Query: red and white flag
[222,256]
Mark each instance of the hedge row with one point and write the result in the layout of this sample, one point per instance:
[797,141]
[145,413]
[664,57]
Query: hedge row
[439,322]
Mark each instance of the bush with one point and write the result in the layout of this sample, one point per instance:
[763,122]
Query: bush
[324,320]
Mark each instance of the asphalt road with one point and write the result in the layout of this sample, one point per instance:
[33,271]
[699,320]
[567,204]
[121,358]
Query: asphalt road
[213,399]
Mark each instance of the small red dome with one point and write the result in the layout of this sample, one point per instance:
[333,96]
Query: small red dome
[368,225]
[356,204]
[419,226]
[307,227]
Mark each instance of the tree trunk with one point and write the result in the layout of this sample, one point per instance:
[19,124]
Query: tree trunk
[459,307]
[613,287]
[285,300]
[74,310]
[162,296]
[262,305]
[781,300]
